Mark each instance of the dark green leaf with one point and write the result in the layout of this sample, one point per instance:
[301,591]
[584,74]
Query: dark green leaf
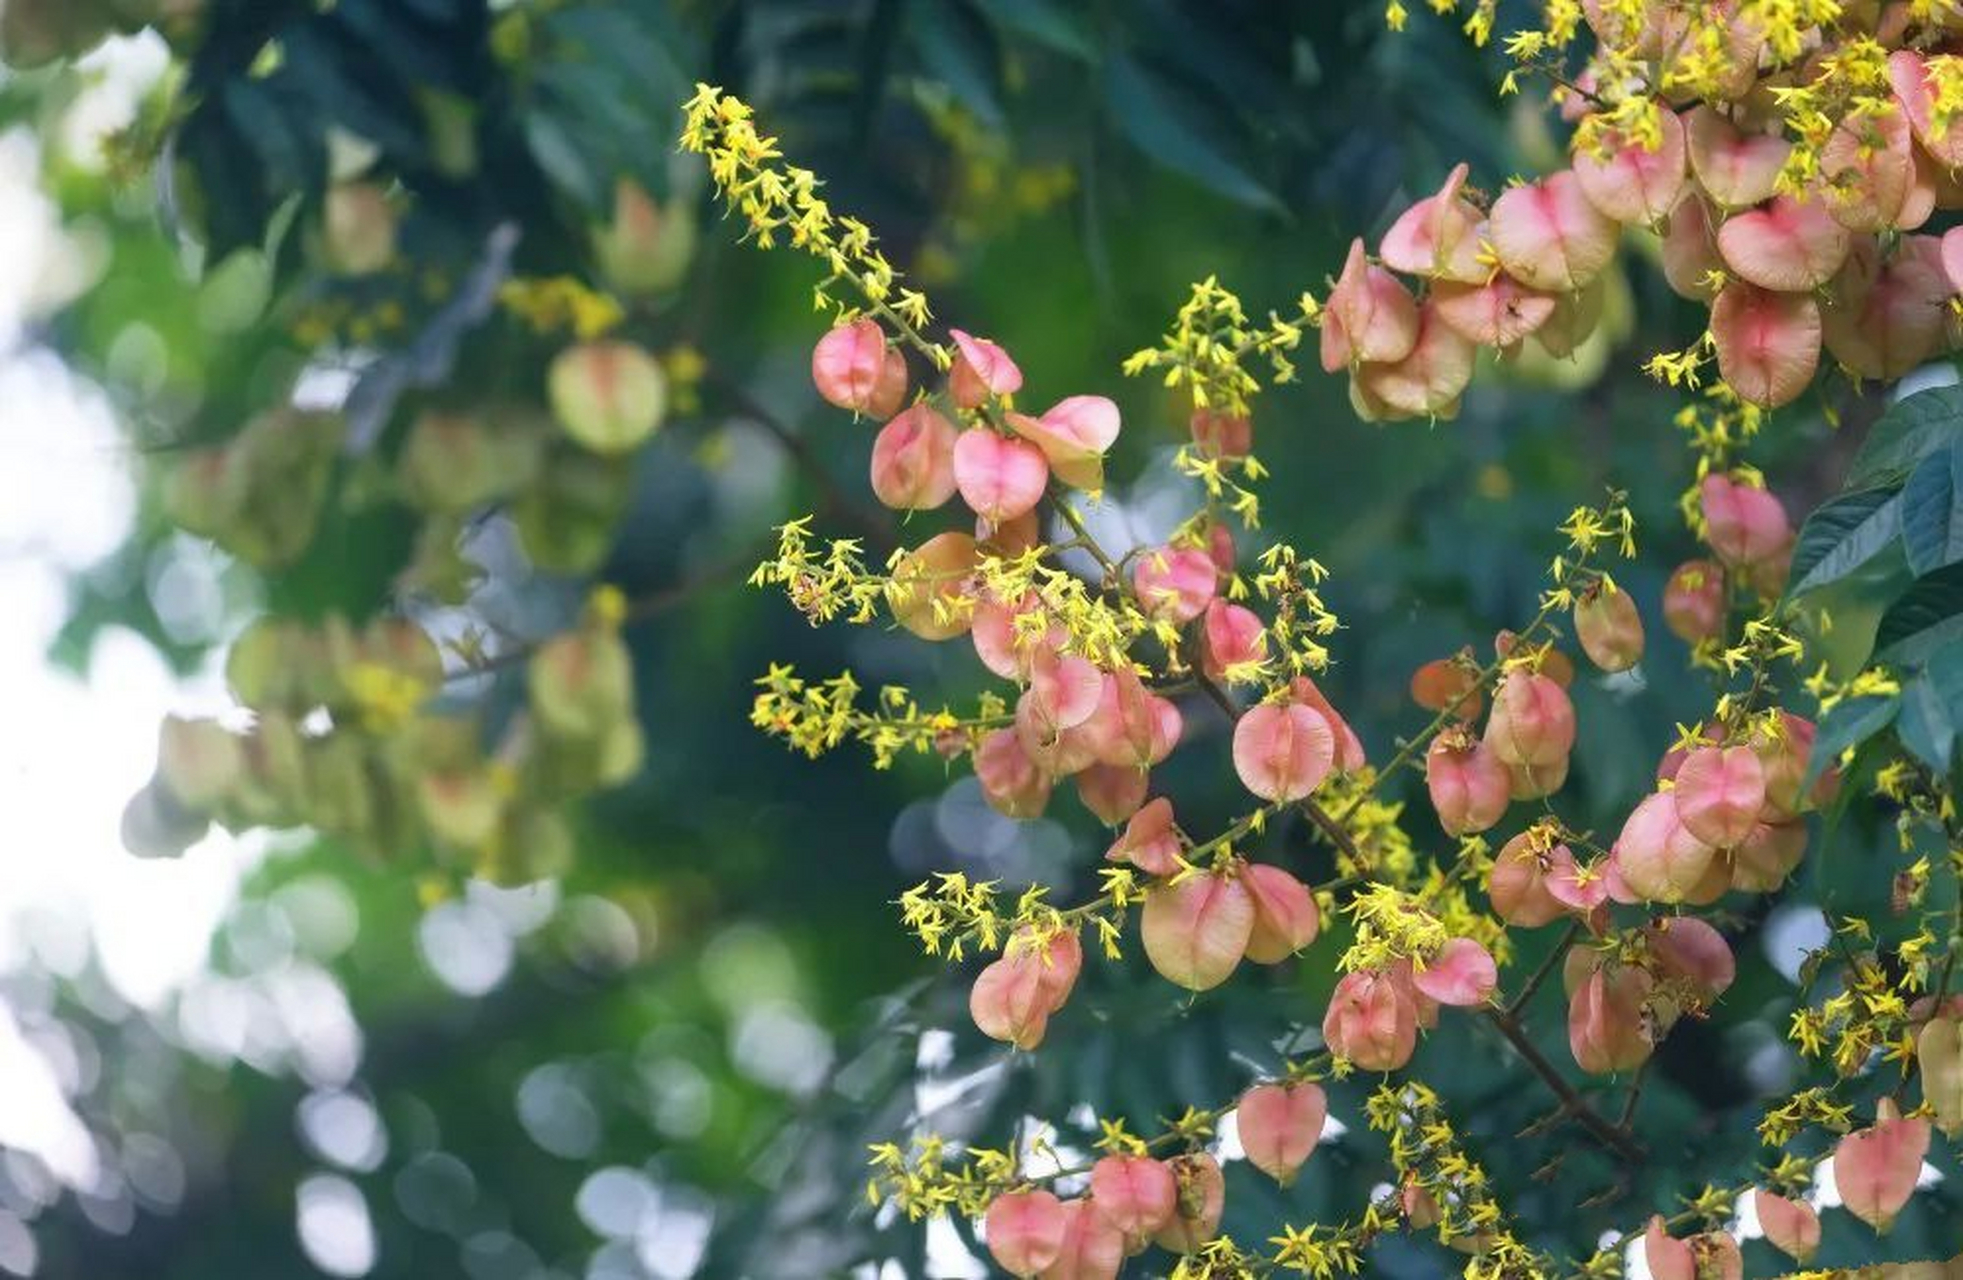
[1842,536]
[1911,430]
[1932,511]
[959,49]
[1849,724]
[1167,124]
[1922,623]
[1925,725]
[1060,26]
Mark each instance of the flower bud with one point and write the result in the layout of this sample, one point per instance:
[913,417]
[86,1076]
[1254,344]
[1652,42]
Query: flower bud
[1939,1057]
[1233,636]
[1719,792]
[1659,858]
[854,369]
[1150,841]
[1790,1226]
[1174,584]
[1201,1200]
[1024,1231]
[1283,752]
[1136,1194]
[1694,601]
[1532,722]
[1519,884]
[1010,780]
[1446,682]
[1607,1030]
[1608,626]
[1092,1249]
[1372,1021]
[981,369]
[609,396]
[1112,792]
[1468,782]
[931,585]
[1073,435]
[1279,1126]
[1286,918]
[1218,434]
[999,477]
[1876,1168]
[1196,931]
[1462,974]
[913,460]
[1743,524]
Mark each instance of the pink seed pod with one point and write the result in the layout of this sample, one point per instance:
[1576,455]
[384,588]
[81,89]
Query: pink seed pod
[1349,748]
[1008,1001]
[1908,73]
[1066,686]
[1939,1059]
[1736,169]
[1672,762]
[1867,166]
[1055,752]
[1608,626]
[1667,1257]
[854,369]
[1448,683]
[1691,950]
[1720,791]
[1024,1230]
[1607,1028]
[1279,1126]
[1788,245]
[1532,781]
[1790,1226]
[1218,434]
[999,644]
[1174,584]
[1468,782]
[608,395]
[931,585]
[1784,754]
[1743,524]
[1196,1212]
[1694,601]
[1548,236]
[1372,1021]
[1010,780]
[1887,321]
[1196,931]
[1073,435]
[1438,237]
[1418,1205]
[1282,752]
[1233,636]
[1220,548]
[1768,856]
[1009,538]
[981,369]
[1519,888]
[1000,478]
[1132,725]
[1136,1194]
[1768,343]
[1876,1168]
[1579,889]
[1690,250]
[1532,721]
[1462,974]
[1426,383]
[1951,256]
[1057,960]
[1660,860]
[1498,313]
[1285,915]
[1368,316]
[1636,184]
[1717,1256]
[1150,841]
[1112,792]
[913,460]
[1093,1249]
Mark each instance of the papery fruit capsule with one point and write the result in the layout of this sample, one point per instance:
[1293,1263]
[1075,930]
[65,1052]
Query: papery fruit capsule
[1736,169]
[1132,725]
[1136,1194]
[1519,884]
[1608,626]
[1468,782]
[1219,434]
[1093,1249]
[1607,1029]
[1150,841]
[1279,1126]
[1438,237]
[1694,602]
[1073,435]
[1690,250]
[1658,857]
[1533,781]
[931,585]
[1549,236]
[1790,1226]
[1024,1230]
[1876,1168]
[1282,752]
[1369,315]
[853,368]
[1448,683]
[1349,747]
[1196,931]
[1784,753]
[1579,889]
[1770,854]
[1056,752]
[1010,780]
[1201,1200]
[1008,1002]
[1767,342]
[1426,383]
[1667,1257]
[1461,974]
[1234,638]
[1005,639]
[981,369]
[1787,246]
[1939,1058]
[1636,183]
[1113,792]
[609,396]
[1532,721]
[1001,478]
[1719,792]
[1066,686]
[1174,584]
[1743,524]
[1372,1021]
[913,460]
[1687,948]
[1286,918]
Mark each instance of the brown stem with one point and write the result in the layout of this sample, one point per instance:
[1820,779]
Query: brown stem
[1547,966]
[1572,1103]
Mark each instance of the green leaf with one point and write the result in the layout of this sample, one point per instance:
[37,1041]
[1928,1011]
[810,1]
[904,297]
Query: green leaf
[1925,725]
[1059,26]
[1842,536]
[1848,725]
[1932,511]
[1911,430]
[1924,621]
[959,49]
[1165,122]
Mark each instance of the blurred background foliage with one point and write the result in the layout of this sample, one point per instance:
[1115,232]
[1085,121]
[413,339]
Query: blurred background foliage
[667,1058]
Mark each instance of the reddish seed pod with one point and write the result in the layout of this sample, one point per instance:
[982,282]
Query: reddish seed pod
[1008,1001]
[1532,781]
[1001,645]
[1687,948]
[1174,584]
[1770,854]
[1468,782]
[1577,888]
[1024,1230]
[1066,687]
[1548,236]
[1736,169]
[1282,752]
[913,460]
[1532,721]
[1743,524]
[1372,1021]
[981,369]
[1349,748]
[1719,792]
[1150,841]
[1196,931]
[1233,636]
[1113,792]
[854,369]
[1073,435]
[1202,1199]
[1438,237]
[1279,1126]
[1462,974]
[931,585]
[1136,1194]
[1635,183]
[1607,1028]
[1876,1168]
[1790,1226]
[1784,755]
[1001,478]
[1667,1257]
[1009,538]
[1368,316]
[1092,1249]
[1660,860]
[1132,725]
[1426,383]
[1519,889]
[1445,682]
[1222,435]
[1286,918]
[1694,601]
[1608,626]
[1010,780]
